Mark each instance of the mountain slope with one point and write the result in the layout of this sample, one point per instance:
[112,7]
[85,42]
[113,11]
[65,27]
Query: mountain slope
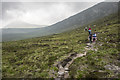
[34,58]
[96,12]
[87,16]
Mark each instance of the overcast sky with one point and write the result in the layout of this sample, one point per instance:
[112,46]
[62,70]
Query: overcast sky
[41,13]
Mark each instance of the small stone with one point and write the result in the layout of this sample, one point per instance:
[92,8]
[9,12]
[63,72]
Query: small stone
[61,73]
[66,69]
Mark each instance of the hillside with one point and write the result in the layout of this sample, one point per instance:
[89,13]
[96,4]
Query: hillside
[85,17]
[103,63]
[12,34]
[89,15]
[36,57]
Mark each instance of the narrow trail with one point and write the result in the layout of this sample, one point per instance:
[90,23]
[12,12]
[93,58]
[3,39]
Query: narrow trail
[63,67]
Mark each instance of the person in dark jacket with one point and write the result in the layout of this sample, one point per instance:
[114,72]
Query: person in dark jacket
[90,38]
[89,30]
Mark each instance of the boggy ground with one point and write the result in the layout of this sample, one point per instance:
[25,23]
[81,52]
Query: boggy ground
[37,57]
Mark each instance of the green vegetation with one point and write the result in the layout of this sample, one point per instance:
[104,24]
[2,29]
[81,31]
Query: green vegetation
[93,65]
[35,57]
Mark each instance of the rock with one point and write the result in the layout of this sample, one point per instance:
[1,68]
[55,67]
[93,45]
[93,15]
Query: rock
[66,69]
[60,66]
[101,44]
[87,46]
[112,67]
[61,73]
[95,49]
[101,71]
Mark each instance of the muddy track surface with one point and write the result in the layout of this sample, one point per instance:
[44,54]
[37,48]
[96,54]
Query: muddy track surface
[63,66]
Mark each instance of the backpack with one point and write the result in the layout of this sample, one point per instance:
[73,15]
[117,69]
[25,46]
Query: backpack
[94,35]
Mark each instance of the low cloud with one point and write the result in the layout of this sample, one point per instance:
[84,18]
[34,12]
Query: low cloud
[41,13]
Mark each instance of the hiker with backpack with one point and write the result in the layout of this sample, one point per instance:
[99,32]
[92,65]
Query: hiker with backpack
[90,38]
[89,30]
[94,37]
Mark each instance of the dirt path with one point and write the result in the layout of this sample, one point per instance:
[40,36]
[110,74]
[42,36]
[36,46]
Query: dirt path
[63,66]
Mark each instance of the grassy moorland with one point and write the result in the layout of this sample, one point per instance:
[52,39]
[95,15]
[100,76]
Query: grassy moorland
[105,62]
[35,57]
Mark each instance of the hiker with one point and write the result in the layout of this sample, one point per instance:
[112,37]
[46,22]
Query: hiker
[94,37]
[90,38]
[85,28]
[89,30]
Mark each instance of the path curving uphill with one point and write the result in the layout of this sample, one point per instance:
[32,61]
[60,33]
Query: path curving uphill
[63,67]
